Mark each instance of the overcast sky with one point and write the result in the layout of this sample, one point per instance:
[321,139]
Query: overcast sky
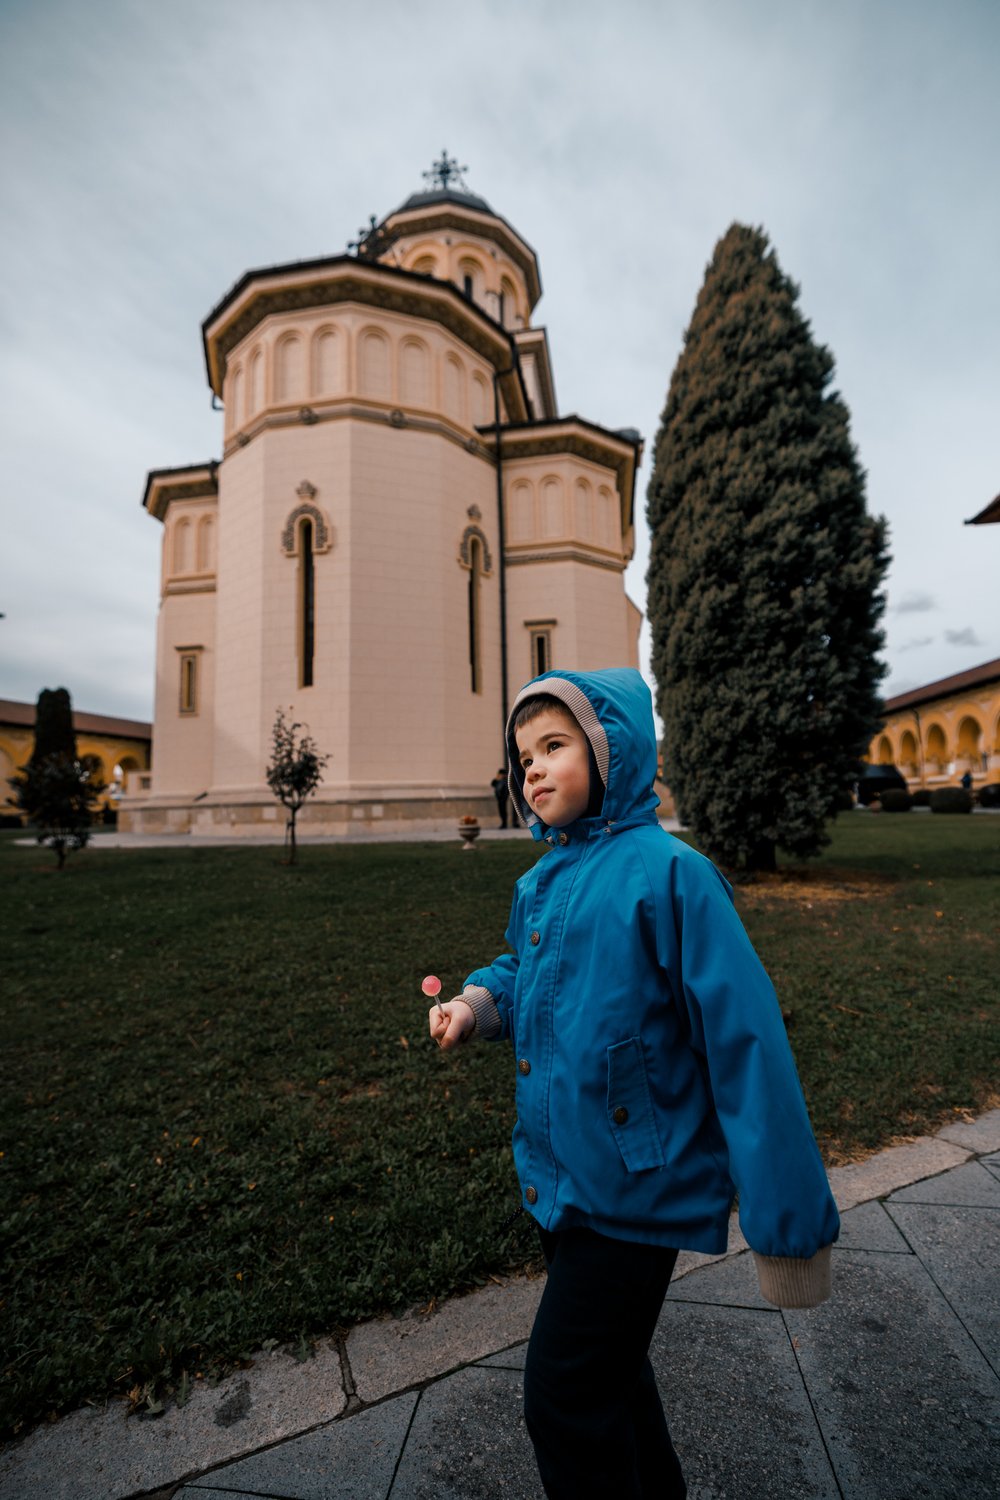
[153,152]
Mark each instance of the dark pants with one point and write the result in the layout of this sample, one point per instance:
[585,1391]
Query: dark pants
[590,1400]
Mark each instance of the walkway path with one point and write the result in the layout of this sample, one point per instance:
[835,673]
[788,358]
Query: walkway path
[890,1391]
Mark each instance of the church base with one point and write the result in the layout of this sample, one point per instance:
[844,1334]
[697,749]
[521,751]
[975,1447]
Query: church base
[252,817]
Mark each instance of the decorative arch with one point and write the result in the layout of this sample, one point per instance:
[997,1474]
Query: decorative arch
[521,511]
[234,397]
[970,737]
[480,393]
[373,363]
[471,277]
[328,362]
[475,534]
[205,548]
[181,546]
[508,302]
[552,507]
[425,265]
[583,509]
[289,368]
[308,510]
[255,382]
[885,757]
[453,393]
[414,372]
[908,755]
[607,518]
[937,746]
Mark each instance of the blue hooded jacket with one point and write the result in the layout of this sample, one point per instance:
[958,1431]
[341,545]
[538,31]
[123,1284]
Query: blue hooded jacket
[654,1077]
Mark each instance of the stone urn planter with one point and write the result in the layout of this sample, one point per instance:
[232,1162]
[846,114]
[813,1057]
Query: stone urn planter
[468,832]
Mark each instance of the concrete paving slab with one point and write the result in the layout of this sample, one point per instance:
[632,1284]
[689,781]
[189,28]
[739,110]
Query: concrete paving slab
[869,1227]
[104,1455]
[960,1247]
[356,1456]
[731,1283]
[893,1168]
[469,1442]
[507,1359]
[738,1411]
[393,1353]
[976,1135]
[970,1185]
[906,1403]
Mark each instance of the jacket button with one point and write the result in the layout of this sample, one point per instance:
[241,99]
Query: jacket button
[620,1115]
[524,1066]
[564,838]
[530,1195]
[536,938]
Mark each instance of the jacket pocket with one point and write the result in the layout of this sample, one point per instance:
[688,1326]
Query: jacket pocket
[630,1107]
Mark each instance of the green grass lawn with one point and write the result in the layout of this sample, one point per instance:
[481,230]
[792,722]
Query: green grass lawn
[223,1123]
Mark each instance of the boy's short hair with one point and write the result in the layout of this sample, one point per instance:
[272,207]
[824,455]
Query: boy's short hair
[533,707]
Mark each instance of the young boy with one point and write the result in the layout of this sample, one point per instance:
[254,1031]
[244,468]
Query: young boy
[654,1080]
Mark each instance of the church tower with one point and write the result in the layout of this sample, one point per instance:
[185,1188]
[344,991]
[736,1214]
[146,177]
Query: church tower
[401,530]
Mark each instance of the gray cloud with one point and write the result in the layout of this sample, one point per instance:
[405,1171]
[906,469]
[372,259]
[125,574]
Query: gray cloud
[914,603]
[966,637]
[916,643]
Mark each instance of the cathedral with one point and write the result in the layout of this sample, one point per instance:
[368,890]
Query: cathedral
[400,532]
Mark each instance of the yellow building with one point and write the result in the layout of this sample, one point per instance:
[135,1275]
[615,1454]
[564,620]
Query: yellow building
[935,734]
[120,747]
[402,529]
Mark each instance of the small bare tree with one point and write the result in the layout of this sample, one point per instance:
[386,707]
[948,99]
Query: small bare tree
[295,771]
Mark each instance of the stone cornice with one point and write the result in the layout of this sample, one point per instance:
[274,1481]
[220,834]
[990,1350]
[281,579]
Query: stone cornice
[196,482]
[563,552]
[328,283]
[341,408]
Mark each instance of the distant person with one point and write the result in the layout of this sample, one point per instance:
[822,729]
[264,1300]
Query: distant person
[967,781]
[654,1081]
[501,792]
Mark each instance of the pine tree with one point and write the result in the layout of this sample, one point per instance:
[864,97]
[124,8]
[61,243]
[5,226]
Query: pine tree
[765,570]
[56,790]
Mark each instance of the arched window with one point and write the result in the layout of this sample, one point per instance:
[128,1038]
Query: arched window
[475,630]
[426,266]
[480,400]
[306,603]
[454,387]
[553,511]
[508,302]
[884,751]
[908,750]
[969,737]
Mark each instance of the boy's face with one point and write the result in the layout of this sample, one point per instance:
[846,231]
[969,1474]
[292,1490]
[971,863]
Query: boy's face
[552,750]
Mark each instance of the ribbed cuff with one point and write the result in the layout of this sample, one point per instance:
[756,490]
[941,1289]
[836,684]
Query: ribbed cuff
[483,1006]
[788,1282]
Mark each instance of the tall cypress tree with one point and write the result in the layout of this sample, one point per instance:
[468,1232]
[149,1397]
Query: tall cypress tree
[765,570]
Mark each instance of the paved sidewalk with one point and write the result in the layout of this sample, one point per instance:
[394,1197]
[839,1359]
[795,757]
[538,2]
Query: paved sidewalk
[890,1391]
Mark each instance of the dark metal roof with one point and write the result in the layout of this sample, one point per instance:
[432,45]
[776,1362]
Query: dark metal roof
[990,514]
[443,195]
[946,686]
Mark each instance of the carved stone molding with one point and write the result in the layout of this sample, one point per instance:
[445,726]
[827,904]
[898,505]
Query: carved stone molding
[322,531]
[465,549]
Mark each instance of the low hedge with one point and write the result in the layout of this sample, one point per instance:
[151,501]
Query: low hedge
[896,800]
[989,795]
[951,799]
[922,797]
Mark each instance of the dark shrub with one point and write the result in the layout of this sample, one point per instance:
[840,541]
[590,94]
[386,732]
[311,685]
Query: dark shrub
[922,797]
[894,800]
[11,820]
[989,796]
[844,801]
[873,780]
[951,799]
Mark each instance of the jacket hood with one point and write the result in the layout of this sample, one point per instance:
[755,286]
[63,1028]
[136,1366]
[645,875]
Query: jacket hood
[614,709]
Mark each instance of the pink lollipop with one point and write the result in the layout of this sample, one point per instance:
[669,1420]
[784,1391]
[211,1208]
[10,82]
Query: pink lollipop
[431,987]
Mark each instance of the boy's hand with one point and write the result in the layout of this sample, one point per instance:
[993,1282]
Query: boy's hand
[452,1027]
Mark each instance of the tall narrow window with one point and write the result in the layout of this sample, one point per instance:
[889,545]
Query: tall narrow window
[189,682]
[540,633]
[307,604]
[475,653]
[467,284]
